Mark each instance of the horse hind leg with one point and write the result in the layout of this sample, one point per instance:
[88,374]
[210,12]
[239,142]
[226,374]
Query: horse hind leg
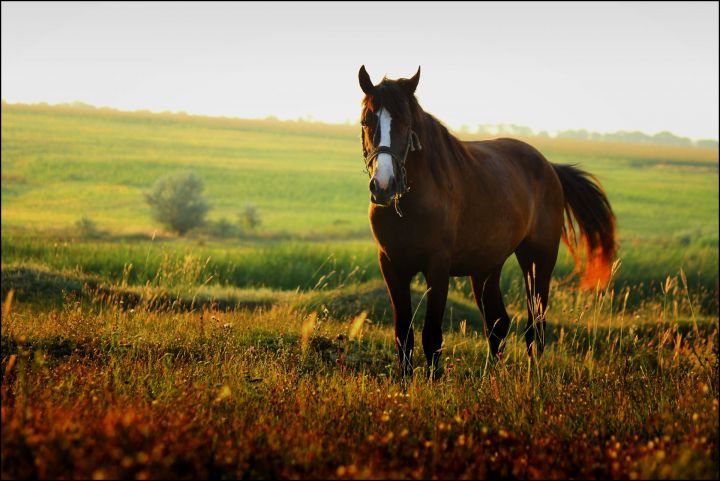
[489,300]
[537,263]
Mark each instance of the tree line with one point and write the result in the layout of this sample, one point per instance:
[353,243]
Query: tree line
[665,137]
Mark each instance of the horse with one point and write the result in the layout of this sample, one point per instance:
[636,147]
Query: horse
[446,207]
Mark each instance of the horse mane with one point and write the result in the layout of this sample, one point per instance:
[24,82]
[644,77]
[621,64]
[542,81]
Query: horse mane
[442,149]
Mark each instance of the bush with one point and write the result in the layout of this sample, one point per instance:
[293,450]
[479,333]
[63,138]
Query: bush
[249,218]
[223,228]
[86,227]
[176,201]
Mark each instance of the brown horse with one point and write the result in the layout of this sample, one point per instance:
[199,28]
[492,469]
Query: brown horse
[445,208]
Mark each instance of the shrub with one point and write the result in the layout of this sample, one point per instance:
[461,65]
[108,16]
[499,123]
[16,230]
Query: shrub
[221,228]
[249,218]
[86,227]
[176,201]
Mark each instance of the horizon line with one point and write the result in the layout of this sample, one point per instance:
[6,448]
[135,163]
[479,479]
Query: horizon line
[309,118]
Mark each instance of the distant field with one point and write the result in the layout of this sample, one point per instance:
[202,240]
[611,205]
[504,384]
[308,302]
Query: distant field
[60,164]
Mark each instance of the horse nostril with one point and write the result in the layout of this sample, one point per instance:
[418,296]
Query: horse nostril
[374,186]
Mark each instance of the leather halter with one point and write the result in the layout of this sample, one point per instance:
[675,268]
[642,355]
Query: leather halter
[413,144]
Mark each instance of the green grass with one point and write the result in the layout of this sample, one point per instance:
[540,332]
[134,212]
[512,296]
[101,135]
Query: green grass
[60,163]
[136,354]
[309,265]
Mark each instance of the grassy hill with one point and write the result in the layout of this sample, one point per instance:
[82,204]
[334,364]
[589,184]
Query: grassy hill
[60,164]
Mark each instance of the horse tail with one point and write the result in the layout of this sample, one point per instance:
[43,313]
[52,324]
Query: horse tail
[587,204]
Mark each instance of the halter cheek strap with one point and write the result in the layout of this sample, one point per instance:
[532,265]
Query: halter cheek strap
[413,144]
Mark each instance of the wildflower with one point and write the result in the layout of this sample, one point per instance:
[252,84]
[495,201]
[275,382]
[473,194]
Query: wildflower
[307,328]
[224,393]
[99,474]
[356,325]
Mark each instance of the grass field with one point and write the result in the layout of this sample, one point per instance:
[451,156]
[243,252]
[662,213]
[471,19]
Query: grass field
[96,389]
[138,354]
[62,163]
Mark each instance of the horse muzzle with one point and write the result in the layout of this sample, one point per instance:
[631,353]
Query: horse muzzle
[381,196]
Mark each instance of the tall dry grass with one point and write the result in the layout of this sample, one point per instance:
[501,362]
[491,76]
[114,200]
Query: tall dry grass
[98,389]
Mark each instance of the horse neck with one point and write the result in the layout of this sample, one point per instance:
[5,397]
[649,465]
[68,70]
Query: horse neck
[441,154]
[436,130]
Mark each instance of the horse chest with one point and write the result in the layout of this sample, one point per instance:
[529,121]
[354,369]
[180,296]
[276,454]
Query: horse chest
[412,237]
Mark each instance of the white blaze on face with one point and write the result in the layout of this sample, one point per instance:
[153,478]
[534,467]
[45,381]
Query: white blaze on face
[384,171]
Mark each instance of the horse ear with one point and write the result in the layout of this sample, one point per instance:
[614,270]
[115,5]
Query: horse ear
[365,83]
[411,84]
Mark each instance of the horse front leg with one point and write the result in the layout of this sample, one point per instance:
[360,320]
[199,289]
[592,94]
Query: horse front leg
[398,286]
[437,276]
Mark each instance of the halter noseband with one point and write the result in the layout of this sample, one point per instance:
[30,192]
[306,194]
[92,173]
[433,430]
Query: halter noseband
[413,144]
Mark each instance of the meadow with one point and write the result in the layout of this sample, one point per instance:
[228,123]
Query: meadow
[135,353]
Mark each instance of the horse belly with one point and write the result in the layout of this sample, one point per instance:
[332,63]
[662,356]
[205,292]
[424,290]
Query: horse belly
[476,261]
[479,251]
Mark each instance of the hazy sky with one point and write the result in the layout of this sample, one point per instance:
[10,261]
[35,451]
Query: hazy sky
[599,66]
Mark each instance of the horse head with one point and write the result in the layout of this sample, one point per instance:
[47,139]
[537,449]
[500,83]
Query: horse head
[388,117]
